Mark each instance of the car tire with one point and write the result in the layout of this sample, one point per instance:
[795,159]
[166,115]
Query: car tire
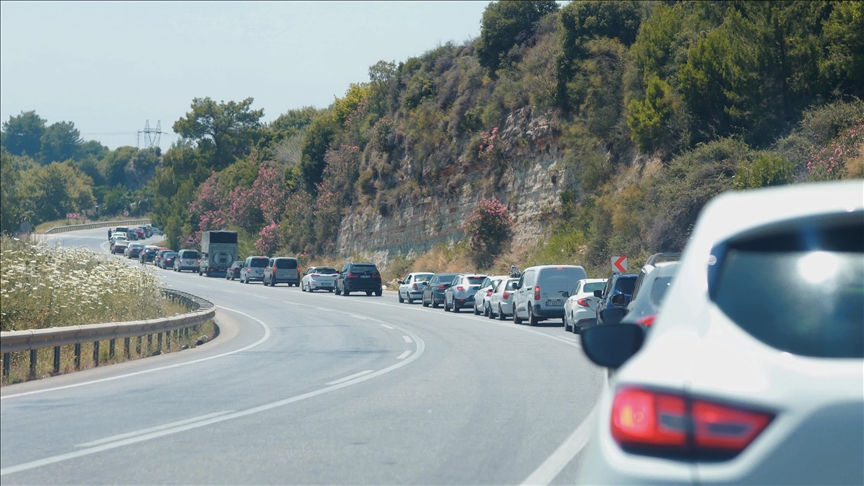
[567,327]
[401,300]
[434,303]
[425,304]
[516,318]
[476,312]
[501,315]
[410,300]
[368,292]
[337,291]
[345,292]
[490,315]
[378,293]
[532,321]
[455,306]
[446,307]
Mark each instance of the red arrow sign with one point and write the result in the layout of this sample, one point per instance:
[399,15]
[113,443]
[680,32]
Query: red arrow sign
[619,264]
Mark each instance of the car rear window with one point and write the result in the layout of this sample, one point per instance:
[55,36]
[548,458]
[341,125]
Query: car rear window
[258,262]
[511,285]
[190,254]
[659,289]
[170,254]
[364,269]
[625,285]
[423,277]
[474,280]
[799,290]
[325,270]
[591,287]
[286,263]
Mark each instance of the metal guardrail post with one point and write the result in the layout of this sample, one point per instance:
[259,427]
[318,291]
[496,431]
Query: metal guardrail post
[159,341]
[111,349]
[33,357]
[126,346]
[77,356]
[149,342]
[138,347]
[56,359]
[7,360]
[96,352]
[168,340]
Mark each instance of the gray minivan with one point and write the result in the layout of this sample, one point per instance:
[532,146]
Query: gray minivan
[282,269]
[542,292]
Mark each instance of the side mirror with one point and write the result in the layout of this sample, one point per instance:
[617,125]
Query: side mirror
[611,346]
[619,300]
[612,315]
[598,293]
[565,294]
[401,282]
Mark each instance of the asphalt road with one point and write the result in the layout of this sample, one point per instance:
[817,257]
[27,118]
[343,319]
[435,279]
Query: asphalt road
[316,388]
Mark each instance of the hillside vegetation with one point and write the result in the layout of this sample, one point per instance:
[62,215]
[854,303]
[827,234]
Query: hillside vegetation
[655,107]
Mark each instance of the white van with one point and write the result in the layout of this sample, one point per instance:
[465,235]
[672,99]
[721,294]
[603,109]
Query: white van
[542,292]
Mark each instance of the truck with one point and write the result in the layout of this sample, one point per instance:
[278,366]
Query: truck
[218,252]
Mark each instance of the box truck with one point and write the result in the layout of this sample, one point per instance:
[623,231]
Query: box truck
[218,252]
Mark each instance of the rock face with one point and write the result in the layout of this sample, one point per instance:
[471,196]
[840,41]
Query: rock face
[529,184]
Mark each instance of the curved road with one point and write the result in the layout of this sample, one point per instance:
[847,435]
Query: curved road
[312,389]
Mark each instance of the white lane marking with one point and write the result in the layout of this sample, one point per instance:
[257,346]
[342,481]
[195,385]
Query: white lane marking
[112,378]
[404,355]
[355,316]
[421,346]
[569,339]
[349,377]
[554,464]
[407,339]
[151,429]
[385,325]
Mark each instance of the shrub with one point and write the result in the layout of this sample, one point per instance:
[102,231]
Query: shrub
[829,163]
[767,170]
[488,229]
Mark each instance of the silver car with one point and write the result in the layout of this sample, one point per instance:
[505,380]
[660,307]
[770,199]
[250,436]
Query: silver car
[753,372]
[411,287]
[501,300]
[461,291]
[481,297]
[253,269]
[542,291]
[580,310]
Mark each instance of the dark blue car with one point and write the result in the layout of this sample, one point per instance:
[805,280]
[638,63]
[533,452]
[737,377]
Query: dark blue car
[617,293]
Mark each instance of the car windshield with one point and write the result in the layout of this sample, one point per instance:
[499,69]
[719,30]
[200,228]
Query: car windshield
[259,262]
[286,263]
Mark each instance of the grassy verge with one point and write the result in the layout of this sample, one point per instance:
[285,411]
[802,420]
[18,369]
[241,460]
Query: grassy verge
[144,347]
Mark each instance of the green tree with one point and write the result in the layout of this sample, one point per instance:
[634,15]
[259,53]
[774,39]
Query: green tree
[222,130]
[315,146]
[650,119]
[22,134]
[505,24]
[844,42]
[60,142]
[58,188]
[767,170]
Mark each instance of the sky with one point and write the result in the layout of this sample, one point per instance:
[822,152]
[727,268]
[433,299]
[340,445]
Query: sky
[109,67]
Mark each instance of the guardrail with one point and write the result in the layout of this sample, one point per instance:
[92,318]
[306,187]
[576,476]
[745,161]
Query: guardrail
[34,339]
[100,224]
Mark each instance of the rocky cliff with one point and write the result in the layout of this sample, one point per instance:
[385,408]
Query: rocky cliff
[529,179]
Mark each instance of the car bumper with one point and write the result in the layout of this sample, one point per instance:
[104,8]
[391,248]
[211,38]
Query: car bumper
[362,286]
[547,313]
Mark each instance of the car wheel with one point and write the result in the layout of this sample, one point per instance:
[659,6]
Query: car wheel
[401,300]
[425,304]
[567,326]
[345,292]
[516,318]
[337,291]
[455,306]
[501,315]
[532,321]
[487,310]
[302,288]
[368,292]
[410,300]
[434,303]
[446,307]
[378,293]
[476,312]
[330,290]
[491,314]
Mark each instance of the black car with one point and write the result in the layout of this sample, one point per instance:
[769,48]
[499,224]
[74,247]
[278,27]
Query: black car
[358,277]
[433,293]
[619,289]
[148,255]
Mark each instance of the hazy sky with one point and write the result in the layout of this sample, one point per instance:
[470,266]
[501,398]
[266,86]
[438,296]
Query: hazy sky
[109,67]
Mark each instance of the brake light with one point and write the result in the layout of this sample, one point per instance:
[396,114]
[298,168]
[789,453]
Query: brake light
[537,292]
[644,420]
[460,288]
[442,287]
[415,287]
[583,302]
[315,275]
[376,275]
[647,320]
[274,268]
[506,295]
[352,275]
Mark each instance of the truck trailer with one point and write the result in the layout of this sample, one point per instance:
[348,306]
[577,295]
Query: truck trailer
[218,252]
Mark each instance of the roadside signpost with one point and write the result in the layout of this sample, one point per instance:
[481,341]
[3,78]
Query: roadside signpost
[72,215]
[619,264]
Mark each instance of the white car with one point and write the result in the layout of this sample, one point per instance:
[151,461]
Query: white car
[753,372]
[501,300]
[411,287]
[580,309]
[319,278]
[482,296]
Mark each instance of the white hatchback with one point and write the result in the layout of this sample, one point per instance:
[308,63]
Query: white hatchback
[753,372]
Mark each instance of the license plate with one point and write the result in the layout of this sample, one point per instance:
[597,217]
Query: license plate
[554,302]
[326,284]
[364,276]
